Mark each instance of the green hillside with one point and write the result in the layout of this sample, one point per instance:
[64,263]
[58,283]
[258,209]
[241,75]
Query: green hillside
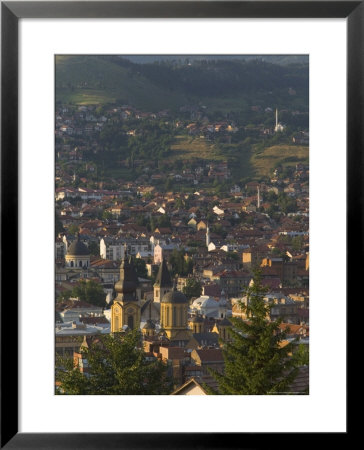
[207,91]
[189,148]
[85,79]
[219,85]
[243,160]
[267,160]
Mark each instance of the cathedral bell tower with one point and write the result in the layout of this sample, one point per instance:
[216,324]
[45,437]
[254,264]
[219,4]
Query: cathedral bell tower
[163,283]
[126,307]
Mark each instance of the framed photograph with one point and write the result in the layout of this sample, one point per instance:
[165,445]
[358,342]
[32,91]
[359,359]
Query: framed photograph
[246,103]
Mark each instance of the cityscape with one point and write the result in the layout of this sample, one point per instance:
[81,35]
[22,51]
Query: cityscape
[182,225]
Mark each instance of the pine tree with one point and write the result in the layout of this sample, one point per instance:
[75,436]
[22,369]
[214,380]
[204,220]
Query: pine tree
[116,365]
[255,362]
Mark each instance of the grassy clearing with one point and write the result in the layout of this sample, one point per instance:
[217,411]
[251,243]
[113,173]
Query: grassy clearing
[287,155]
[186,147]
[85,97]
[190,148]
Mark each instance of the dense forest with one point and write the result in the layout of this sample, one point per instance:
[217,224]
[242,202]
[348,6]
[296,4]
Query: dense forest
[208,77]
[227,84]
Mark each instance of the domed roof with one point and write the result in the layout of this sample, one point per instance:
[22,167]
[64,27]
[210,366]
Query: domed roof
[205,302]
[125,286]
[174,297]
[78,248]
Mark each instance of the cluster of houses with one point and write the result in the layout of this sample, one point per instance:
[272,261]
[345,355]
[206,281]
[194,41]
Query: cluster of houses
[187,335]
[104,232]
[83,125]
[222,263]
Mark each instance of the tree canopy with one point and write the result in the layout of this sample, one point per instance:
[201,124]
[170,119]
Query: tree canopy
[90,292]
[140,267]
[180,265]
[116,365]
[192,289]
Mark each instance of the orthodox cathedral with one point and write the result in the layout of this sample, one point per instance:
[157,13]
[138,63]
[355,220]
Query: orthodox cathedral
[167,315]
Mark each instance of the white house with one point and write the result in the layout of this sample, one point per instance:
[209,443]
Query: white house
[218,210]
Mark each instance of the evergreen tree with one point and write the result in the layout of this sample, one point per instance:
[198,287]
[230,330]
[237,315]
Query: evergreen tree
[255,362]
[116,365]
[301,356]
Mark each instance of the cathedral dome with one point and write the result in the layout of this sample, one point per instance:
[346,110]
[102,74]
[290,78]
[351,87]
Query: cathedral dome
[78,248]
[174,297]
[125,286]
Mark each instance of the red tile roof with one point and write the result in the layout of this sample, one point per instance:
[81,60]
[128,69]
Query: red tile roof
[210,355]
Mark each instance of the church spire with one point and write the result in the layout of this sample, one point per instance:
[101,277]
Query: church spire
[163,282]
[163,277]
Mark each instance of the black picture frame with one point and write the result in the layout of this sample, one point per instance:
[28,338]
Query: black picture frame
[11,12]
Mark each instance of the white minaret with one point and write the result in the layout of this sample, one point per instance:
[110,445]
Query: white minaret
[258,197]
[207,235]
[279,126]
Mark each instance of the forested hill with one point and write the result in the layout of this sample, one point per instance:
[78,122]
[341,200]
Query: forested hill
[218,84]
[282,60]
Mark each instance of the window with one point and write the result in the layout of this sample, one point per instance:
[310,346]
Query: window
[131,322]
